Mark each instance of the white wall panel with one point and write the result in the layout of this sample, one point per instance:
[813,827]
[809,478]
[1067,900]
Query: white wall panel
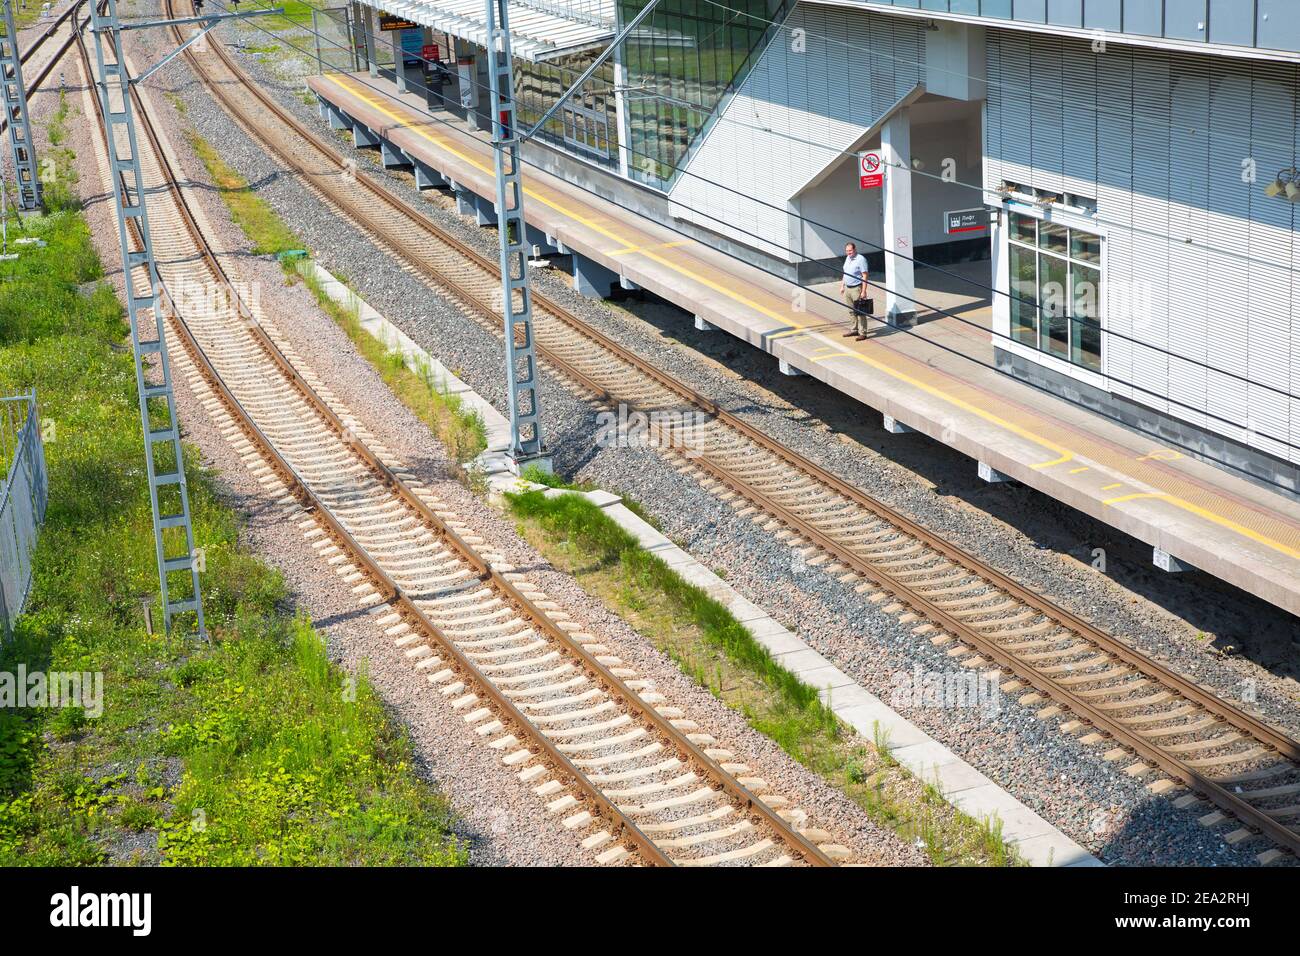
[1211,252]
[1115,194]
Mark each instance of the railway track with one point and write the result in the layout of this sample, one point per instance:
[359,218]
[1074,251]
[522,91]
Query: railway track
[67,20]
[1162,726]
[596,743]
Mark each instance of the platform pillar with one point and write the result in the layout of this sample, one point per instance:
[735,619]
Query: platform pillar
[334,115]
[369,25]
[399,60]
[591,278]
[703,326]
[362,137]
[900,280]
[391,156]
[426,177]
[620,113]
[485,213]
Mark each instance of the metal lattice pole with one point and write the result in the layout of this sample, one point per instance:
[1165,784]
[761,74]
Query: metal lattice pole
[167,488]
[516,298]
[20,126]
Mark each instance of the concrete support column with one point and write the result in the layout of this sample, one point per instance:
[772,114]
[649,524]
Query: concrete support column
[334,115]
[896,144]
[362,136]
[485,210]
[540,241]
[592,279]
[399,59]
[465,204]
[370,24]
[391,156]
[356,28]
[426,177]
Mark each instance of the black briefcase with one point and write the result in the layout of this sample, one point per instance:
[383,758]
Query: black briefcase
[864,307]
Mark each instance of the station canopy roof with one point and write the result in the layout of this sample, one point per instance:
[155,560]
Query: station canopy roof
[539,29]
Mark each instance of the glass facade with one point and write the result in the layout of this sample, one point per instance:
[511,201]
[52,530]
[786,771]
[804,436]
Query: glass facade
[1055,283]
[586,125]
[680,62]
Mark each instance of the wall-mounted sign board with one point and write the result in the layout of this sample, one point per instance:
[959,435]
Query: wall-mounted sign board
[965,220]
[389,22]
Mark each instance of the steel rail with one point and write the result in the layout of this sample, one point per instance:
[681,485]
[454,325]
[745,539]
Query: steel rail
[1171,680]
[45,70]
[394,593]
[727,781]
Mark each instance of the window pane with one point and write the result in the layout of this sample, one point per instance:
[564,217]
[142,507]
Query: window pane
[1086,293]
[1052,237]
[1024,228]
[1052,298]
[1085,336]
[1085,247]
[1024,289]
[1087,344]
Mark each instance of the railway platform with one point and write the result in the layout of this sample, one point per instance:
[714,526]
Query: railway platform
[937,378]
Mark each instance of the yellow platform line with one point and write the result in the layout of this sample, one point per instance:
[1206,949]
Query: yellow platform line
[1063,454]
[661,245]
[1209,516]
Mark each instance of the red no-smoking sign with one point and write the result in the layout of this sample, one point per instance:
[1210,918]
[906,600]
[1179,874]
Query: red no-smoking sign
[871,170]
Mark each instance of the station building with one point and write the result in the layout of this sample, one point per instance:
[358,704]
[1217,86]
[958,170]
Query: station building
[1121,168]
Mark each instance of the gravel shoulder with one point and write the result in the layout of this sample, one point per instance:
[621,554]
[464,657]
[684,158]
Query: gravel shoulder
[1178,621]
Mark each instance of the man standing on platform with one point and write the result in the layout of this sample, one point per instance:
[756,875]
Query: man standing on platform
[853,290]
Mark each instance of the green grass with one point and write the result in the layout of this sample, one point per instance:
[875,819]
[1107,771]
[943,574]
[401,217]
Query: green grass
[251,749]
[713,648]
[58,169]
[584,524]
[297,14]
[458,427]
[265,230]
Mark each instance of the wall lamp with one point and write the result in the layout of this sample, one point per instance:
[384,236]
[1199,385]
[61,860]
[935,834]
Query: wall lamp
[1287,184]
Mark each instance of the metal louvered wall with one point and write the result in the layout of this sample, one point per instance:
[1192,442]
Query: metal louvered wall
[1200,262]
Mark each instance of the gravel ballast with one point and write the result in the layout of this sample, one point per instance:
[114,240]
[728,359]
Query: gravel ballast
[1032,538]
[504,820]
